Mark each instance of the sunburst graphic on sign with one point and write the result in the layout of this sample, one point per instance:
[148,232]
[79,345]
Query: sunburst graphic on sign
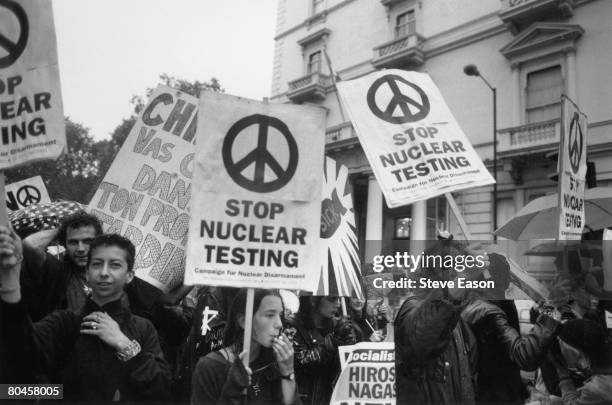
[341,272]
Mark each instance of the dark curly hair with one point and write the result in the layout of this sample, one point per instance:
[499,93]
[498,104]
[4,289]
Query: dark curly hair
[113,239]
[75,221]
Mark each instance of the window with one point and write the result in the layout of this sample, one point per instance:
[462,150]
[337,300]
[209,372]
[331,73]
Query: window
[317,6]
[543,94]
[405,24]
[402,228]
[314,62]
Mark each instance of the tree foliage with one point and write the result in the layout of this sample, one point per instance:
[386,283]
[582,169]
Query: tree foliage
[69,177]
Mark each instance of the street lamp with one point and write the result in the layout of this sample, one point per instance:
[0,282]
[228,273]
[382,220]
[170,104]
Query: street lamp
[472,70]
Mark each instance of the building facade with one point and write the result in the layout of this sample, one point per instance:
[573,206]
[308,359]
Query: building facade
[530,51]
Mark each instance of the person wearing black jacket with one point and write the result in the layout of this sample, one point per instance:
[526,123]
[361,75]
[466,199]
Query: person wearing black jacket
[102,352]
[502,351]
[49,284]
[317,332]
[435,350]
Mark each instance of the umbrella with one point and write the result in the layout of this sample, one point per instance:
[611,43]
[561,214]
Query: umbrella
[552,249]
[40,217]
[538,219]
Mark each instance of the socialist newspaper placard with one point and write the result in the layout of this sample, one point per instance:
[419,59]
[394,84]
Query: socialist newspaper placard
[411,139]
[257,194]
[25,193]
[572,168]
[146,193]
[367,375]
[31,113]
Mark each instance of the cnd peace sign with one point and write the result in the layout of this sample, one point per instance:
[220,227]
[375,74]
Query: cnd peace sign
[411,110]
[260,156]
[11,50]
[28,195]
[574,143]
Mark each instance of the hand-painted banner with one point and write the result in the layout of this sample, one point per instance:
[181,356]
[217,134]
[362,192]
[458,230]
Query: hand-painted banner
[26,192]
[572,168]
[257,198]
[31,112]
[367,375]
[413,143]
[340,267]
[146,193]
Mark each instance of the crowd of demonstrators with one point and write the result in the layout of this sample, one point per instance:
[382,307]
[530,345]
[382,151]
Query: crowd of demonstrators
[220,377]
[578,302]
[465,347]
[317,330]
[100,351]
[86,312]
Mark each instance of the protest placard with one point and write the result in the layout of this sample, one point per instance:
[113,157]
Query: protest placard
[257,195]
[340,267]
[572,168]
[25,193]
[367,375]
[31,112]
[146,192]
[411,139]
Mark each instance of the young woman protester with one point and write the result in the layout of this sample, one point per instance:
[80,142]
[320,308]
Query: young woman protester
[221,378]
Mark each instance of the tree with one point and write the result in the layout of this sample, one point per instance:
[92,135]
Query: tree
[72,175]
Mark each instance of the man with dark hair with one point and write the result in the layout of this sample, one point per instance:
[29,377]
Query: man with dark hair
[48,283]
[100,353]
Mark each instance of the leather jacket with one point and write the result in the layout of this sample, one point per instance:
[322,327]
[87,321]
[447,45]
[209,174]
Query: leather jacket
[503,352]
[435,352]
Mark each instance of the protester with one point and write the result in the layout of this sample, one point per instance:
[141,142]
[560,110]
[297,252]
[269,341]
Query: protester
[502,352]
[220,377]
[381,315]
[102,352]
[435,350]
[212,306]
[49,284]
[358,312]
[582,344]
[317,331]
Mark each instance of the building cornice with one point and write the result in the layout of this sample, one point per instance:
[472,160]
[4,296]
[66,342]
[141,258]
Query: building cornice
[307,21]
[465,34]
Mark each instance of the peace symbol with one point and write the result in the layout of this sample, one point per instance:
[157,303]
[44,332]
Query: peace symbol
[260,155]
[398,100]
[14,49]
[28,195]
[574,143]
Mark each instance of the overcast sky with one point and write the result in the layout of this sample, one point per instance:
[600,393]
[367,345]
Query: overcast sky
[110,50]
